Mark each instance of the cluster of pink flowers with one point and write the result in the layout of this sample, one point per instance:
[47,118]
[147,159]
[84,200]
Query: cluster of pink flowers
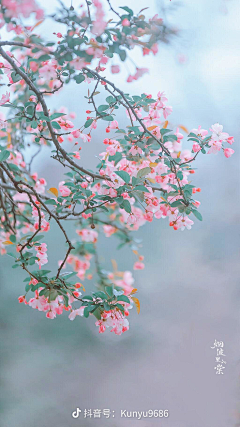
[88,235]
[5,98]
[217,140]
[41,254]
[144,171]
[19,9]
[139,73]
[115,320]
[99,24]
[51,308]
[48,69]
[80,265]
[158,206]
[45,226]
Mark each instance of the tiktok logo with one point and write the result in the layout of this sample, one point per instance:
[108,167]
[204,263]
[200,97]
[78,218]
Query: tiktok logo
[75,414]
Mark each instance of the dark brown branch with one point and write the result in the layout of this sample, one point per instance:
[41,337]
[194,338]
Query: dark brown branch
[6,43]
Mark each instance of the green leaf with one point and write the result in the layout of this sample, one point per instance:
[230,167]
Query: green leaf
[97,313]
[79,78]
[44,292]
[126,206]
[169,138]
[4,155]
[67,276]
[11,254]
[180,175]
[32,260]
[38,237]
[109,290]
[134,181]
[122,54]
[27,287]
[65,300]
[56,115]
[127,9]
[142,188]
[53,295]
[197,214]
[176,204]
[12,238]
[87,297]
[110,99]
[108,118]
[42,272]
[143,172]
[163,131]
[124,175]
[123,298]
[55,125]
[106,306]
[86,312]
[100,294]
[15,77]
[102,108]
[116,158]
[50,202]
[34,124]
[88,123]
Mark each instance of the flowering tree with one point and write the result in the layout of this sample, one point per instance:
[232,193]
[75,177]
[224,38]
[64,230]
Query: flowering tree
[142,174]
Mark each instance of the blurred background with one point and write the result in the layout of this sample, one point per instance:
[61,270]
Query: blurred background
[189,289]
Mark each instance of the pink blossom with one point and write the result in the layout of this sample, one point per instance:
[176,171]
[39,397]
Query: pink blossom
[125,22]
[84,137]
[139,73]
[74,313]
[196,147]
[51,314]
[76,155]
[88,235]
[5,98]
[215,146]
[109,230]
[167,111]
[45,225]
[99,24]
[218,134]
[138,266]
[200,132]
[228,152]
[185,223]
[115,69]
[113,124]
[48,71]
[186,155]
[42,259]
[65,191]
[41,249]
[76,133]
[230,140]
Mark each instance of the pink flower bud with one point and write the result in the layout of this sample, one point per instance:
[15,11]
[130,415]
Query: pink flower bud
[228,152]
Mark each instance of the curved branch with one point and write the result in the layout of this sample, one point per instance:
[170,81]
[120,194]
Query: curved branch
[45,110]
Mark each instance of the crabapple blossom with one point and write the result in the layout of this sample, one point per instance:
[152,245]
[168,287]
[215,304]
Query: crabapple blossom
[228,152]
[5,98]
[143,172]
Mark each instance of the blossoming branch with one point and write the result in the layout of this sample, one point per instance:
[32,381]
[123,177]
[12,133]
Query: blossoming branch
[143,172]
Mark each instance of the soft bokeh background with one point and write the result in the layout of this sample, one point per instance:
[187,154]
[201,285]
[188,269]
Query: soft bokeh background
[189,292]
